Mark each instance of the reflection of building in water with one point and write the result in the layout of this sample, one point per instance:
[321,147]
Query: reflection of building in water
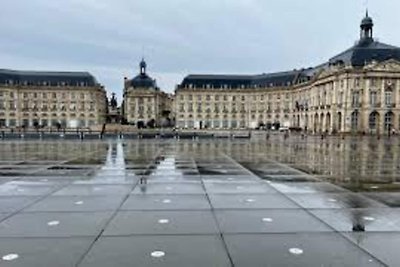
[58,99]
[355,91]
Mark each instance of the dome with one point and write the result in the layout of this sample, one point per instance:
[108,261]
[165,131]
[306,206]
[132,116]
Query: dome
[367,21]
[143,81]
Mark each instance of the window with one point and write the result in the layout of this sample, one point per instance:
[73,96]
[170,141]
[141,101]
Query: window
[374,82]
[354,121]
[388,98]
[373,98]
[373,120]
[355,99]
[388,121]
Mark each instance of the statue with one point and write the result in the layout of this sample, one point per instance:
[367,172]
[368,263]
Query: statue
[113,101]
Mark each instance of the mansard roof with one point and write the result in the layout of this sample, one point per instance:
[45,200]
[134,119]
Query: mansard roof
[243,81]
[47,78]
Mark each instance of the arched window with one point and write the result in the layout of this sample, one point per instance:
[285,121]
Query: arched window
[373,120]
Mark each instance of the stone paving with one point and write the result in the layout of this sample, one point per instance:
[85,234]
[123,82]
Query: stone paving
[198,203]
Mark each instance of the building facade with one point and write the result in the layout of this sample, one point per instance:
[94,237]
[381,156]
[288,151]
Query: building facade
[145,105]
[50,99]
[355,91]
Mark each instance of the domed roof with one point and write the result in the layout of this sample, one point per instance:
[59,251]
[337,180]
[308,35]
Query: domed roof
[143,80]
[367,21]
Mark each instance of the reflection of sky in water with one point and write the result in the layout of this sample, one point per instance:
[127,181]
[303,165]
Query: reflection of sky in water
[114,168]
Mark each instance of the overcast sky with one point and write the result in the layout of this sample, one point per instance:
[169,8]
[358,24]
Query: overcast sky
[181,37]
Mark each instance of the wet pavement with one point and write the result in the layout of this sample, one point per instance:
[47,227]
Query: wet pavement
[295,202]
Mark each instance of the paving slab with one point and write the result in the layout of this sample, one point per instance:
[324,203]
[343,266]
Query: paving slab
[166,202]
[238,188]
[94,190]
[110,180]
[18,189]
[371,220]
[300,249]
[54,224]
[334,201]
[162,223]
[166,251]
[169,188]
[77,204]
[35,252]
[9,204]
[391,199]
[251,201]
[384,246]
[307,187]
[269,221]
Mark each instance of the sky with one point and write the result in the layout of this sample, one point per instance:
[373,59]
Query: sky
[179,37]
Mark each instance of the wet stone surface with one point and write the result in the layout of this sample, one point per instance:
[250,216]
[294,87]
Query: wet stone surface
[166,202]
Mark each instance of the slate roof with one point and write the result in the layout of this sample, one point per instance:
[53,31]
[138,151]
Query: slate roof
[244,81]
[143,80]
[366,51]
[50,78]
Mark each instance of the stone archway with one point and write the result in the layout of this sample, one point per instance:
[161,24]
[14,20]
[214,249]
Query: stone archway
[354,118]
[373,121]
[316,122]
[322,122]
[328,122]
[339,121]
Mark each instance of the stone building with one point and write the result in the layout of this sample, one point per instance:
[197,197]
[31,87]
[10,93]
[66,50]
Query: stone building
[145,105]
[355,91]
[50,99]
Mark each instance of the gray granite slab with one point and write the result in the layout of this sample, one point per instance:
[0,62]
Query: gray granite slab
[194,251]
